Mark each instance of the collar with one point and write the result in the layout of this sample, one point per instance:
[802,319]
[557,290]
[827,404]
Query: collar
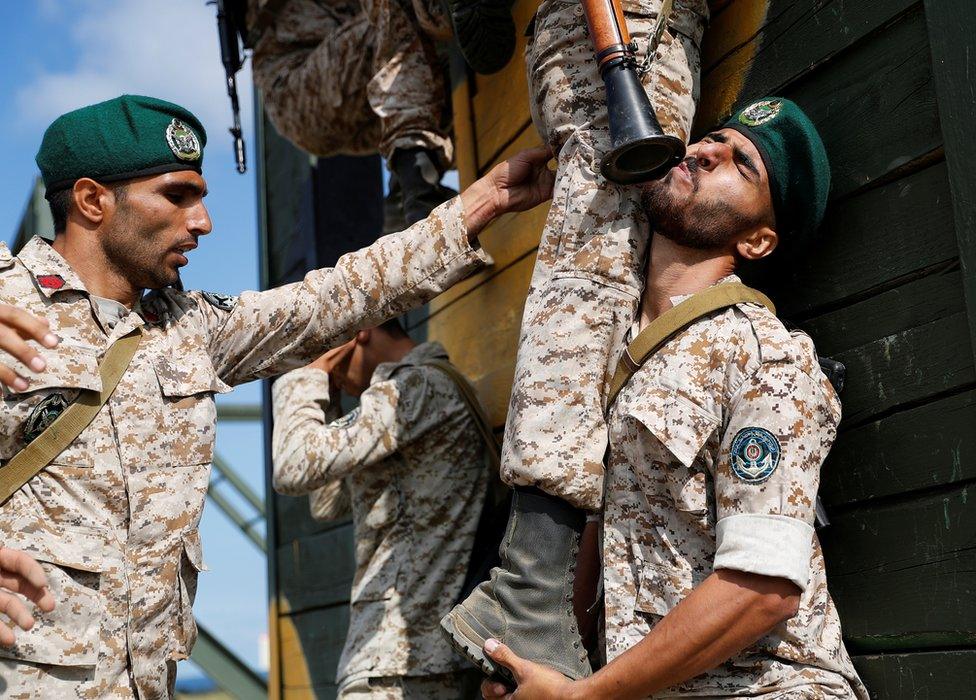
[419,355]
[677,299]
[50,271]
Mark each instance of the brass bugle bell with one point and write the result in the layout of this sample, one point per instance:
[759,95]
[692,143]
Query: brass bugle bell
[640,150]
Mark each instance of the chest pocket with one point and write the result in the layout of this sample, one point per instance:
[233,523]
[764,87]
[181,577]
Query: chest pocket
[189,416]
[683,428]
[70,369]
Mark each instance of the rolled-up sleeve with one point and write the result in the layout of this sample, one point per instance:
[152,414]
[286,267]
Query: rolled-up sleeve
[781,426]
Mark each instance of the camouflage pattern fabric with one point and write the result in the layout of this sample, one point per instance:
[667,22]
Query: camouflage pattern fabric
[588,272]
[446,686]
[114,518]
[716,448]
[355,77]
[415,467]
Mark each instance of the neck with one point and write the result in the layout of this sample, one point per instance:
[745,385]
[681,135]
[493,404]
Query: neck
[677,270]
[97,273]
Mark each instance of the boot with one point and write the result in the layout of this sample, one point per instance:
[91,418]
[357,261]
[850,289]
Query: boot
[528,601]
[485,32]
[420,186]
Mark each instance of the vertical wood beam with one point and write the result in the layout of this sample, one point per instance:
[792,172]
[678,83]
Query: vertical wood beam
[952,28]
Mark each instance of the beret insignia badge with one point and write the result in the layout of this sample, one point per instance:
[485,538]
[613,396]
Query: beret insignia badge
[754,454]
[43,415]
[182,141]
[761,112]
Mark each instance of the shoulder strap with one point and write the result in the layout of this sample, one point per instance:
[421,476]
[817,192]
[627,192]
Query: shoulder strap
[675,319]
[474,408]
[31,460]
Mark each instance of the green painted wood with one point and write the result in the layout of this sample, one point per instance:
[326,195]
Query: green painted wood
[321,634]
[935,675]
[952,26]
[317,570]
[295,520]
[922,448]
[903,574]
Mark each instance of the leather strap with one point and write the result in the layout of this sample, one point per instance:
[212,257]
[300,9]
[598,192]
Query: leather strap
[39,453]
[676,319]
[474,408]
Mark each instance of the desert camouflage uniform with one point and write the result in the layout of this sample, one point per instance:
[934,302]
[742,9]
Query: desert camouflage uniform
[416,470]
[676,508]
[355,76]
[114,518]
[587,276]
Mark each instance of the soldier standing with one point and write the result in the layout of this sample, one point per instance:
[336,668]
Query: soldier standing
[113,517]
[415,466]
[584,291]
[713,575]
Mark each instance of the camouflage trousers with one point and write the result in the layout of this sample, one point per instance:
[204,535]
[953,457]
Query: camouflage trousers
[355,77]
[588,273]
[463,685]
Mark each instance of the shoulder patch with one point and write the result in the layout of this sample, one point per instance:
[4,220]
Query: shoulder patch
[346,420]
[754,455]
[224,302]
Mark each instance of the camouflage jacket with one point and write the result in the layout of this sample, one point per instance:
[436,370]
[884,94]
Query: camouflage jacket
[415,468]
[716,448]
[114,518]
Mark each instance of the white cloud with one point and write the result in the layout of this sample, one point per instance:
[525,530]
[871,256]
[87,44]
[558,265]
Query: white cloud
[163,48]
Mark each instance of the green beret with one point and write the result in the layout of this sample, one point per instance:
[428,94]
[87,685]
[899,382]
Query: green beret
[795,159]
[120,139]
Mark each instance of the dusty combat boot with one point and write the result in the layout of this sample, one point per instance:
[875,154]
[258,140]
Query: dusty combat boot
[527,603]
[419,178]
[485,32]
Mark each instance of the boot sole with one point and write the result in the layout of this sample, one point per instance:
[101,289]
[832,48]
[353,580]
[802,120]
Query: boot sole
[470,645]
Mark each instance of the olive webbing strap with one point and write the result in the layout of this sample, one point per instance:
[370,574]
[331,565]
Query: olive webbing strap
[474,408]
[39,453]
[675,319]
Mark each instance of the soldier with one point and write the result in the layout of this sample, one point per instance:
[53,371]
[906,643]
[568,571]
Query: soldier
[713,574]
[414,465]
[113,517]
[583,295]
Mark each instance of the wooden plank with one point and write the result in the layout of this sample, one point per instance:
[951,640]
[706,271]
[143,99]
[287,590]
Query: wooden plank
[922,448]
[311,644]
[934,675]
[318,570]
[903,574]
[501,100]
[790,38]
[952,26]
[480,331]
[884,234]
[465,144]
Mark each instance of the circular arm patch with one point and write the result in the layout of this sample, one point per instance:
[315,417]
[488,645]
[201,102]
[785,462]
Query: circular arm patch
[754,454]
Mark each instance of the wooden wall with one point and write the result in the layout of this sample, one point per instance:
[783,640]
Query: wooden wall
[889,288]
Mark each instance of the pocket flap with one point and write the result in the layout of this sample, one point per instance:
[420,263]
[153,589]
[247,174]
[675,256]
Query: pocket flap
[187,375]
[85,550]
[193,548]
[660,590]
[69,366]
[679,424]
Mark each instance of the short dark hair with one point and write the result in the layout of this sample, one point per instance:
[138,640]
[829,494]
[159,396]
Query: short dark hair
[394,328]
[60,203]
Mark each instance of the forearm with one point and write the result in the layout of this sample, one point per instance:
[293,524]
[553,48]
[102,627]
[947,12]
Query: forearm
[728,612]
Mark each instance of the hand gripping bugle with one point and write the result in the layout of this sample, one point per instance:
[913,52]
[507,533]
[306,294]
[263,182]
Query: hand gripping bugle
[640,150]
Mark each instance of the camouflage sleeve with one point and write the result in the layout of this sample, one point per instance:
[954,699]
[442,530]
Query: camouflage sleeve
[309,453]
[266,333]
[331,502]
[781,424]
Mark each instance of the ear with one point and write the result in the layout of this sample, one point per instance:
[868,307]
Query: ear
[92,200]
[362,337]
[757,243]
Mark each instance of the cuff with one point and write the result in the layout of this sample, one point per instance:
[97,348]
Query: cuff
[768,545]
[451,215]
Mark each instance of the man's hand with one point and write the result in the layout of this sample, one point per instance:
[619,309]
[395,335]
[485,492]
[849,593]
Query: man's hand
[19,573]
[16,328]
[330,360]
[535,681]
[519,183]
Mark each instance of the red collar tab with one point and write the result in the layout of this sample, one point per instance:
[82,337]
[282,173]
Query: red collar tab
[50,281]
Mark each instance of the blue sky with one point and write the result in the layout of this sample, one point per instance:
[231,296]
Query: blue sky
[57,55]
